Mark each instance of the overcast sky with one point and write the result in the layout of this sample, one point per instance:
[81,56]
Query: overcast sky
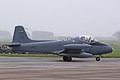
[63,17]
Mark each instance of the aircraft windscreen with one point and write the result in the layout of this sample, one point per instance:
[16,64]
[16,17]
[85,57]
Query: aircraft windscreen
[88,39]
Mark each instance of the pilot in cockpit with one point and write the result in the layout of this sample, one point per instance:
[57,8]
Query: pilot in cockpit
[88,39]
[82,38]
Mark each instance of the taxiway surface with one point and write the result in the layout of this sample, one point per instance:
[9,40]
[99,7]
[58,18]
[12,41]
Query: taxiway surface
[42,68]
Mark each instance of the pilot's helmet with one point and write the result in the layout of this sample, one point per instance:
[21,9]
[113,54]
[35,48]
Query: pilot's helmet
[82,38]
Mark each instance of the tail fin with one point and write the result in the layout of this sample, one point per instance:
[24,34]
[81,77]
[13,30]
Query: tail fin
[20,35]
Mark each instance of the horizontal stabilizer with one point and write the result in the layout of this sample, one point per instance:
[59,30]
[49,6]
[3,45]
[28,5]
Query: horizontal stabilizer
[13,45]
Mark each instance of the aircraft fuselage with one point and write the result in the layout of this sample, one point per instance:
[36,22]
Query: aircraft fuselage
[52,46]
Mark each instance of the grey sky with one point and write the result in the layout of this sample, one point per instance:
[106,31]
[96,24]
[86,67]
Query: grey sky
[63,17]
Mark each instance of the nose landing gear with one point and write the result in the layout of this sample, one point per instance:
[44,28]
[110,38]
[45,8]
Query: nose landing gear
[97,58]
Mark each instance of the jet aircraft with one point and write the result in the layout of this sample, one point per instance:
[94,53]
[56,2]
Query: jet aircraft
[78,47]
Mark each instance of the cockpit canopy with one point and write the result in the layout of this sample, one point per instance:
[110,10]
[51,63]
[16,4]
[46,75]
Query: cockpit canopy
[87,38]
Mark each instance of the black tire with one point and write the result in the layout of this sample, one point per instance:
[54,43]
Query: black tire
[65,58]
[97,58]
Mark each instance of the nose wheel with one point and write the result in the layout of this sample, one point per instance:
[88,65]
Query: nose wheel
[97,58]
[65,58]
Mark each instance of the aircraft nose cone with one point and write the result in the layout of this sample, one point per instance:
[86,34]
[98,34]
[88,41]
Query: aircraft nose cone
[110,49]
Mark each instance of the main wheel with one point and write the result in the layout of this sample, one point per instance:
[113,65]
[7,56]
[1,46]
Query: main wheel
[65,58]
[97,58]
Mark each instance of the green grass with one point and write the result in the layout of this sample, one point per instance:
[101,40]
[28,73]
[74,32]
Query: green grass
[29,55]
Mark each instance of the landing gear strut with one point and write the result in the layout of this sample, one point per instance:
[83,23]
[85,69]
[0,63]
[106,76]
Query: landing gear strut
[66,58]
[97,58]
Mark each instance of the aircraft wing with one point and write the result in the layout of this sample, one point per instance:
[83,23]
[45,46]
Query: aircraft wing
[75,50]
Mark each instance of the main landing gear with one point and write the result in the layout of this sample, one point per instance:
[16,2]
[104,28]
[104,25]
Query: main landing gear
[66,58]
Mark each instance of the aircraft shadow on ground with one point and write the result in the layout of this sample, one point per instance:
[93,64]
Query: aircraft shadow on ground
[92,60]
[77,61]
